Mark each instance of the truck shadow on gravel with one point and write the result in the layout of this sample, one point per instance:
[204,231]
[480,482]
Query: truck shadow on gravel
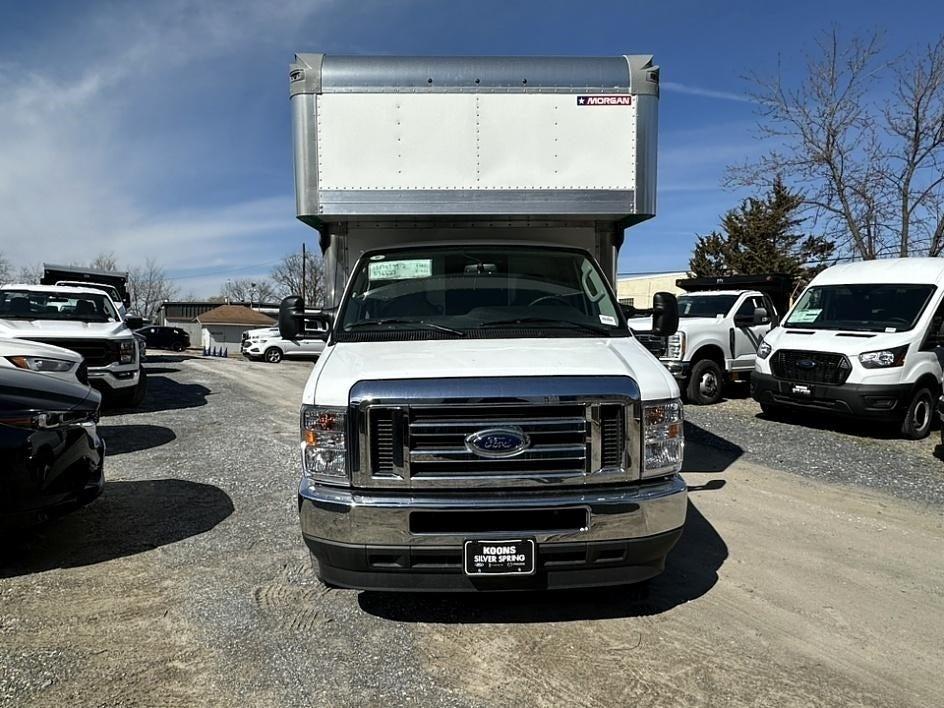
[121,439]
[129,518]
[707,452]
[165,394]
[815,420]
[691,571]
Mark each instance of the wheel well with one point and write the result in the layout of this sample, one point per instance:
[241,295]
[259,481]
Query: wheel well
[929,381]
[709,351]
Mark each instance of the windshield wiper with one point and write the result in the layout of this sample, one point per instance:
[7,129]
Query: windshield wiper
[430,325]
[534,320]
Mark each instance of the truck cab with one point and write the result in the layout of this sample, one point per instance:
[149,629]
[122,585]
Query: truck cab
[482,417]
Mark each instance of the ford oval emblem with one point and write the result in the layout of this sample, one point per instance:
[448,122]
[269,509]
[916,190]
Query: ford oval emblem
[497,442]
[806,364]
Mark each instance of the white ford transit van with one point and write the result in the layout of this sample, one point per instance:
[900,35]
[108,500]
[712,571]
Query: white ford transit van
[864,340]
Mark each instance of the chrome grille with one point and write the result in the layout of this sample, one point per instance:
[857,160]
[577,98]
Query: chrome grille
[612,436]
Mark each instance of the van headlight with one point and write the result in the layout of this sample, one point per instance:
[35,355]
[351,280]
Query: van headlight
[763,351]
[324,444]
[41,363]
[884,358]
[675,346]
[664,439]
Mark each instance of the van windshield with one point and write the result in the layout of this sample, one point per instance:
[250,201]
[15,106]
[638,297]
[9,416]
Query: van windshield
[880,307]
[56,305]
[705,305]
[481,292]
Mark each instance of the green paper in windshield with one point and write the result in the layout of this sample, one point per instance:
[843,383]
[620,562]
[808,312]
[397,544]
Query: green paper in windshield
[401,270]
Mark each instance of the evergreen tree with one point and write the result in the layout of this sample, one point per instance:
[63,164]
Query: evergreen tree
[761,236]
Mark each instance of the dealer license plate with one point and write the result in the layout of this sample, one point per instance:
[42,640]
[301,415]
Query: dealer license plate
[802,391]
[515,557]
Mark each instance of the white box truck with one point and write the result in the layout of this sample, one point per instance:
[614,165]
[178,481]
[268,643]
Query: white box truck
[864,340]
[482,418]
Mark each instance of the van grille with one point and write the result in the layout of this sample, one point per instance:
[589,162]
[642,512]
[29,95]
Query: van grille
[612,436]
[810,367]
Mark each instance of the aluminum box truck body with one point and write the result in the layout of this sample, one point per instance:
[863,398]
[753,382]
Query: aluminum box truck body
[481,418]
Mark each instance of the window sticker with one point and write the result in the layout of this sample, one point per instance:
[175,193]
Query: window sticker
[805,316]
[608,320]
[401,270]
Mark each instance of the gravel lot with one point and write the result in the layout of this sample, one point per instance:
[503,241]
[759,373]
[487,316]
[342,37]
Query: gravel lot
[809,574]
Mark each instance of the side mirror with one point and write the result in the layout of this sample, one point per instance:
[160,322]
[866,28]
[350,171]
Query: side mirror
[628,311]
[134,322]
[665,316]
[291,312]
[325,320]
[760,316]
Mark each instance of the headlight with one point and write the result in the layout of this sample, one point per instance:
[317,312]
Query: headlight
[663,436]
[675,346]
[884,358]
[763,351]
[41,363]
[324,445]
[126,351]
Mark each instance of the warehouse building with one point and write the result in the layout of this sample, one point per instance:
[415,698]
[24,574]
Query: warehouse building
[637,289]
[184,314]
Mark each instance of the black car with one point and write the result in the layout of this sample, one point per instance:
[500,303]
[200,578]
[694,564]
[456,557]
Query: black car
[172,338]
[51,458]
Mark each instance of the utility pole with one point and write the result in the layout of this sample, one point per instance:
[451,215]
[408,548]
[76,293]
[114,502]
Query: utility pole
[304,264]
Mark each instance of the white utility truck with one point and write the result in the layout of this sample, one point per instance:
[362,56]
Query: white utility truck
[865,340]
[114,283]
[482,417]
[722,321]
[85,320]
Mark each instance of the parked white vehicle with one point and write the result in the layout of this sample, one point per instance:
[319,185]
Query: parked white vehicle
[114,283]
[864,339]
[85,321]
[268,345]
[46,359]
[717,339]
[481,418]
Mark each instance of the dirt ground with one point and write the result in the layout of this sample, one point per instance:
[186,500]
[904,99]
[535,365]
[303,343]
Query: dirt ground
[187,584]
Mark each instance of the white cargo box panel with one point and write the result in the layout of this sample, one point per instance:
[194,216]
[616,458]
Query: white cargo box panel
[504,137]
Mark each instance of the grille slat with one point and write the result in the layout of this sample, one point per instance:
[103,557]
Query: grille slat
[810,367]
[612,436]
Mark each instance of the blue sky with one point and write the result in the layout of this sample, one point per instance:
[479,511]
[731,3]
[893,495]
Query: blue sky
[162,129]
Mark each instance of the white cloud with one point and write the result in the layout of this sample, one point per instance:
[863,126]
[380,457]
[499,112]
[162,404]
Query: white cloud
[71,186]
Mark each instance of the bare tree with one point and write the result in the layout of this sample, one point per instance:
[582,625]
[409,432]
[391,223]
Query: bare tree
[287,276]
[30,274]
[6,270]
[249,290]
[148,287]
[106,261]
[869,172]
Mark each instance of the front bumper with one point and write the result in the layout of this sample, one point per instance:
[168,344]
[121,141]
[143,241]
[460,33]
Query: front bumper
[678,369]
[413,541]
[114,378]
[883,402]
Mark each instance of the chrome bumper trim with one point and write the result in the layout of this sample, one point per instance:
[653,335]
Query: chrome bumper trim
[377,518]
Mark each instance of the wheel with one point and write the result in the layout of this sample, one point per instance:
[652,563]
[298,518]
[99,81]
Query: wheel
[918,417]
[178,347]
[705,383]
[273,355]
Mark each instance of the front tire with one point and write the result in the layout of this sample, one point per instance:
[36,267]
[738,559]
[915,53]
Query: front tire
[919,416]
[705,383]
[273,355]
[134,397]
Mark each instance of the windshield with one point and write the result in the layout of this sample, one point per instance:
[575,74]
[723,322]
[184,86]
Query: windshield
[866,307]
[56,305]
[705,305]
[112,292]
[495,291]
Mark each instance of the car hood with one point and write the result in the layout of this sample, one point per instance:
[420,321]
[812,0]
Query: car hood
[30,391]
[60,328]
[840,342]
[25,347]
[344,364]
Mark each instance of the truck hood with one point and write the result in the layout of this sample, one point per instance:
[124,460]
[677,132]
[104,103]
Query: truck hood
[61,328]
[841,342]
[344,364]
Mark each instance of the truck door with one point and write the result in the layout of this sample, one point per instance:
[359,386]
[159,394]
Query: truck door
[747,338]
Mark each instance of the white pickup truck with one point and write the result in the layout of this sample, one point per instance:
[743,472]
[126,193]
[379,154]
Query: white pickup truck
[84,320]
[482,418]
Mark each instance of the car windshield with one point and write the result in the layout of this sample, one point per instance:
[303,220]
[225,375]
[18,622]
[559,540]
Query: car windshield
[483,292]
[863,307]
[705,305]
[56,305]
